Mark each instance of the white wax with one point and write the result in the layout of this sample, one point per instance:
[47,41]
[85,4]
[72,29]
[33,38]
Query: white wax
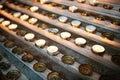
[5,23]
[32,20]
[98,48]
[34,8]
[73,8]
[29,36]
[40,42]
[24,17]
[63,18]
[65,35]
[12,26]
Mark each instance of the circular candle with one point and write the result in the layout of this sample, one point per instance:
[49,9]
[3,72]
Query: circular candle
[75,23]
[53,30]
[73,8]
[32,20]
[52,50]
[24,17]
[5,23]
[65,35]
[34,8]
[13,26]
[81,1]
[44,1]
[80,41]
[63,19]
[16,14]
[1,20]
[98,49]
[29,36]
[40,43]
[90,28]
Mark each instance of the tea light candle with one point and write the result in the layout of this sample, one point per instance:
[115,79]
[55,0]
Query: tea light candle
[17,14]
[44,1]
[75,23]
[52,50]
[29,36]
[1,20]
[63,19]
[53,30]
[40,43]
[81,1]
[80,41]
[98,49]
[73,8]
[5,23]
[67,59]
[13,26]
[90,28]
[53,75]
[32,20]
[92,2]
[34,8]
[24,17]
[65,35]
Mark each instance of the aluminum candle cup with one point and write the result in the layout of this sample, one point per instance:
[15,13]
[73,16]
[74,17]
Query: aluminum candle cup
[39,67]
[63,19]
[44,1]
[1,20]
[86,69]
[52,50]
[53,30]
[17,14]
[13,26]
[81,1]
[27,58]
[34,8]
[29,36]
[98,49]
[40,43]
[32,20]
[73,8]
[80,41]
[5,23]
[24,17]
[53,76]
[90,28]
[76,23]
[65,35]
[68,59]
